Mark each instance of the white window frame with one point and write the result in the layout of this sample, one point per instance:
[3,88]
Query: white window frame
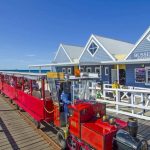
[81,69]
[146,80]
[148,38]
[92,41]
[88,68]
[98,68]
[64,70]
[106,68]
[135,76]
[69,70]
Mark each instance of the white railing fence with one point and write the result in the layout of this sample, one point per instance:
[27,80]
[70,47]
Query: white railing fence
[131,101]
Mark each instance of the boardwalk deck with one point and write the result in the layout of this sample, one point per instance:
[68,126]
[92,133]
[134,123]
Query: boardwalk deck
[15,133]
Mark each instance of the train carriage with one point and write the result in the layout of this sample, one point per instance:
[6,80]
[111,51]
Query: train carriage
[70,105]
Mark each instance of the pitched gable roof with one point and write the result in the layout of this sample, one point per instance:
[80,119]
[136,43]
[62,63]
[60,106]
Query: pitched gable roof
[73,52]
[115,47]
[139,42]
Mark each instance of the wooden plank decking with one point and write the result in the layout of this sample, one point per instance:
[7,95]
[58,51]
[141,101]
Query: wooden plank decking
[16,134]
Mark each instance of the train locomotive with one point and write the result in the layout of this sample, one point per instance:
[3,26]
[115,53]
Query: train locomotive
[80,121]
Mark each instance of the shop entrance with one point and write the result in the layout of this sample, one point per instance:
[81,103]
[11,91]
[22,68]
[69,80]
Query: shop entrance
[122,76]
[119,74]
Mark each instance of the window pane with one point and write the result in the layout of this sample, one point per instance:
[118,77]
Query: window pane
[140,75]
[92,48]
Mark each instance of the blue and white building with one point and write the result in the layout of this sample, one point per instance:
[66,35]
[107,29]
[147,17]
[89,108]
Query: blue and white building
[99,55]
[67,58]
[112,59]
[138,67]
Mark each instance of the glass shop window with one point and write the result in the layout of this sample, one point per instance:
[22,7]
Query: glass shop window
[106,70]
[64,70]
[147,75]
[97,70]
[88,69]
[81,70]
[69,70]
[140,75]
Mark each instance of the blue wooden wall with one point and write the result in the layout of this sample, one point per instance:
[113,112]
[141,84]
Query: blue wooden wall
[104,78]
[130,75]
[100,55]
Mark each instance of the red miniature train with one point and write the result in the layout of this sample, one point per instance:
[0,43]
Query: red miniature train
[86,126]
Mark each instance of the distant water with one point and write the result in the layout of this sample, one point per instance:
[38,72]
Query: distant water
[32,71]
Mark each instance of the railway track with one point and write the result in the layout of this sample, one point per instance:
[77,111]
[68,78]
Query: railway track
[46,132]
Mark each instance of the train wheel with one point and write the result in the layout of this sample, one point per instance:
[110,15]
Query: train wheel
[61,139]
[37,124]
[71,144]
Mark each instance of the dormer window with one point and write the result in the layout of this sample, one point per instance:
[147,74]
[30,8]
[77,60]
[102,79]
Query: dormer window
[92,48]
[148,38]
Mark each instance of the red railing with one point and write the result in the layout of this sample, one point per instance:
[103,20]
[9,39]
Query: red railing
[9,91]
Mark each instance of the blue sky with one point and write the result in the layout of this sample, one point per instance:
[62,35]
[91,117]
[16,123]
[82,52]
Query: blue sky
[31,30]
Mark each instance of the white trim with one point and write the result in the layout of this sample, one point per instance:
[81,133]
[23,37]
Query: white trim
[98,68]
[104,48]
[66,53]
[106,68]
[69,72]
[92,37]
[88,68]
[82,68]
[53,64]
[148,38]
[57,52]
[146,70]
[138,42]
[85,47]
[92,41]
[61,46]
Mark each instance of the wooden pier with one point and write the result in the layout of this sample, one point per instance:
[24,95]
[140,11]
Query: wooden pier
[16,133]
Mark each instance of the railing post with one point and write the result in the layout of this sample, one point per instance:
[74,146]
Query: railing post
[104,92]
[117,99]
[132,102]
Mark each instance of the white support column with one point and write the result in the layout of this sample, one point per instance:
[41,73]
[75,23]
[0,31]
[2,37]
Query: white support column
[118,73]
[117,99]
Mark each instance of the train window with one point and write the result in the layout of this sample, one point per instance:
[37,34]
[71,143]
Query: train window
[83,112]
[71,111]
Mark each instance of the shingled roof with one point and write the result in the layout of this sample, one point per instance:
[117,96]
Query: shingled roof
[73,51]
[115,47]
